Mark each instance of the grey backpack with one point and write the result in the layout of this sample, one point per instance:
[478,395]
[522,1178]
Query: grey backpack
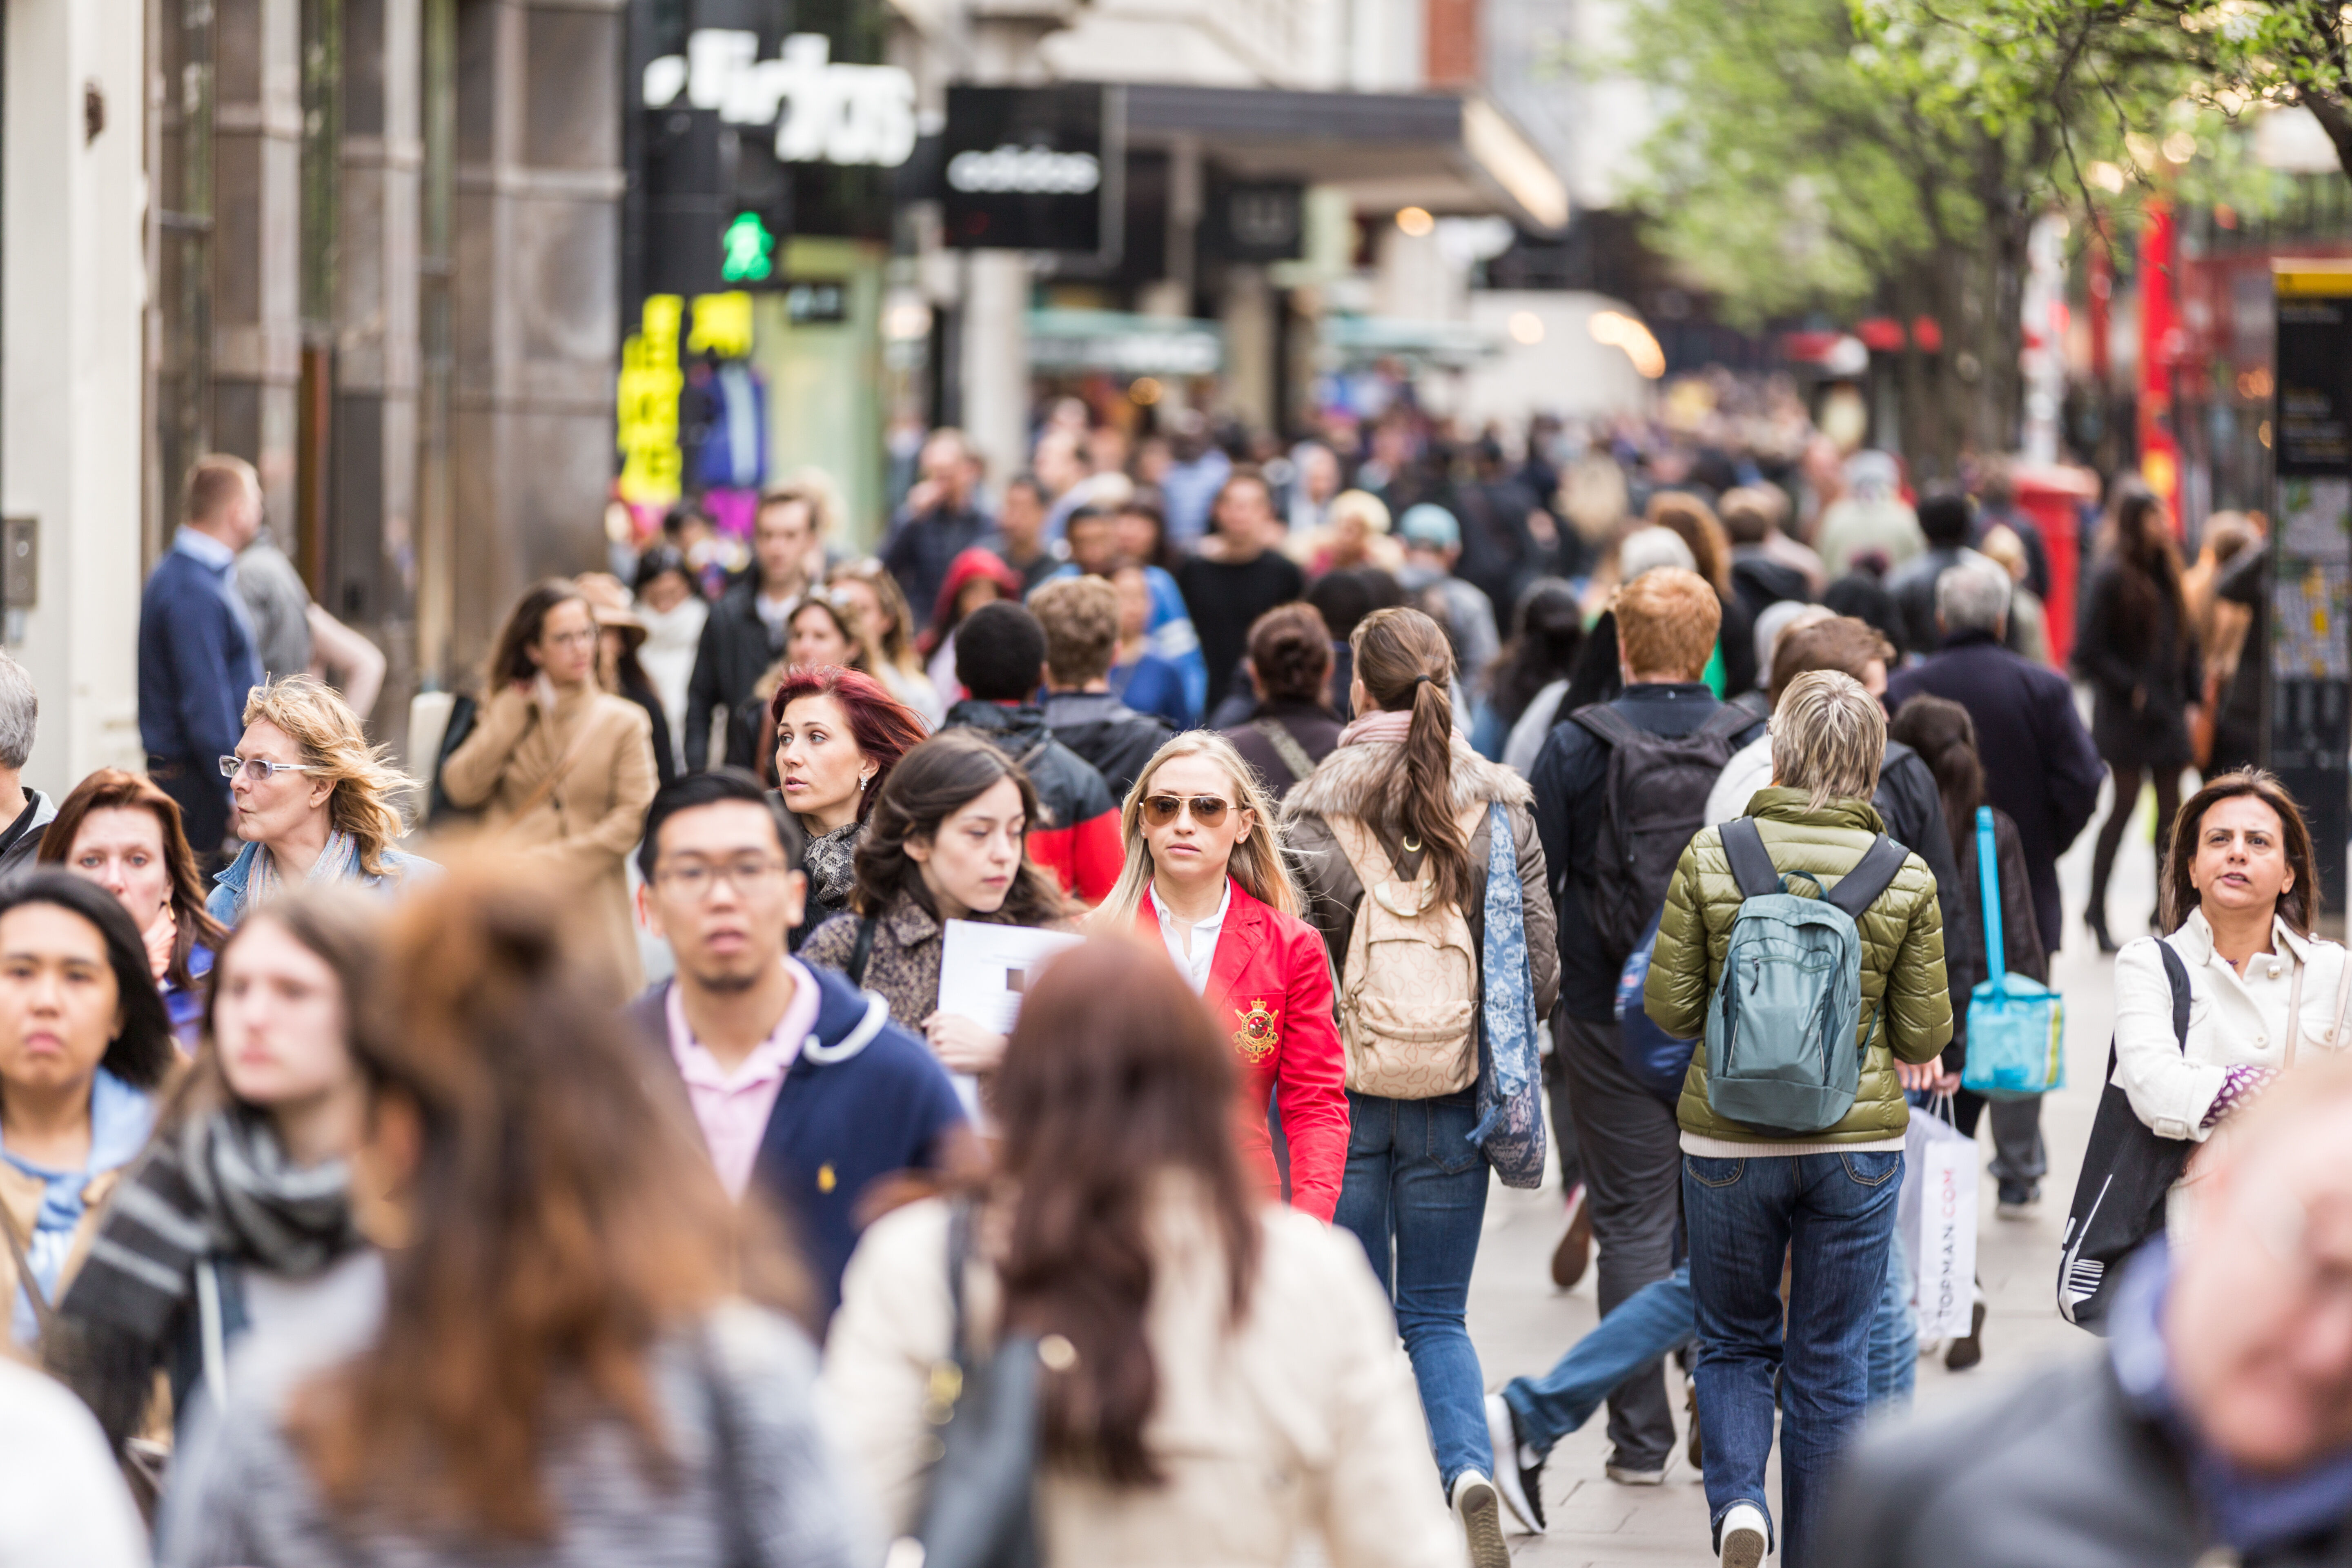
[1780,1050]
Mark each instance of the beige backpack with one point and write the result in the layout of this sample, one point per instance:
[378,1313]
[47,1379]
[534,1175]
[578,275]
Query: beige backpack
[1409,987]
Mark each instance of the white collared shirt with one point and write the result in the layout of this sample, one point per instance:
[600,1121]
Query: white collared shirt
[204,548]
[2233,1019]
[1194,965]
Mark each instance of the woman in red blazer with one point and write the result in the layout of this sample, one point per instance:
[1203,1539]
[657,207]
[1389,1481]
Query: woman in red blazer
[1205,880]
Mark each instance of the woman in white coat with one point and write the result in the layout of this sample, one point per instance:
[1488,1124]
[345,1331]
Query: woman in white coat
[1220,1372]
[2239,895]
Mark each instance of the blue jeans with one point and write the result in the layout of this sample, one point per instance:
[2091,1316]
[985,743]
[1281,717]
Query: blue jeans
[1416,1187]
[1833,1215]
[1647,1324]
[1894,1338]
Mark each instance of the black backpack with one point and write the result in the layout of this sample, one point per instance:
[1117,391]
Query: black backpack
[1655,798]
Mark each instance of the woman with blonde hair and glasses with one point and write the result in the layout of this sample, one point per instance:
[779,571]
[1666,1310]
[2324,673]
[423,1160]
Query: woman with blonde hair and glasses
[1205,878]
[313,800]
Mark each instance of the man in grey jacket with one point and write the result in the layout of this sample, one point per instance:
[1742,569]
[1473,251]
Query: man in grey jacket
[2214,1426]
[28,811]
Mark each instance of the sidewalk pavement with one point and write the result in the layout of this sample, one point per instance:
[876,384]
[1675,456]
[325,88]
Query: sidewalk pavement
[1521,1324]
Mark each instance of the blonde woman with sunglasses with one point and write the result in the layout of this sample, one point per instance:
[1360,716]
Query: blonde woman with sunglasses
[1204,876]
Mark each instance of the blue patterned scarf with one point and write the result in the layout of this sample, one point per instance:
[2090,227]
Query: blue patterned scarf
[1510,1110]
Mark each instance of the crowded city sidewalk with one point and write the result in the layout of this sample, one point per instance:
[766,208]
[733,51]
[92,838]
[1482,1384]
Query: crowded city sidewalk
[1520,1324]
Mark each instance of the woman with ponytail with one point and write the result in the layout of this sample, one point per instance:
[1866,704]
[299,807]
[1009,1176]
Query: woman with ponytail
[1405,807]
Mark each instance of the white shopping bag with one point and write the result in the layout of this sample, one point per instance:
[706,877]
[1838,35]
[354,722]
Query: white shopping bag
[1937,1213]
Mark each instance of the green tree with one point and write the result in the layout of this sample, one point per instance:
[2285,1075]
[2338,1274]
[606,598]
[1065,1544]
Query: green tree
[1867,156]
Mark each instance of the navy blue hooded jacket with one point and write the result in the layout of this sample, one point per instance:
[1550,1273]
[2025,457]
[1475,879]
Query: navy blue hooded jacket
[863,1100]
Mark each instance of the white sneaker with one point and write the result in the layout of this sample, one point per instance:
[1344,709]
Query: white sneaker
[1520,1483]
[1479,1506]
[1746,1534]
[1626,1476]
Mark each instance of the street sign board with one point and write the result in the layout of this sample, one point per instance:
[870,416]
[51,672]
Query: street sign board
[1031,168]
[2308,739]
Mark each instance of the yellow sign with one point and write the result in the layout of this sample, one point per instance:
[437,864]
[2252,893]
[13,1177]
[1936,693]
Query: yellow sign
[722,325]
[2311,278]
[646,411]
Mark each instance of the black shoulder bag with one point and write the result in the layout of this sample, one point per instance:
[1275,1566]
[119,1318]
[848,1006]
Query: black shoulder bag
[980,1509]
[2119,1197]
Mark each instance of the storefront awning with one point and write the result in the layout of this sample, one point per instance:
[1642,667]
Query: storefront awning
[1361,340]
[1122,343]
[1387,150]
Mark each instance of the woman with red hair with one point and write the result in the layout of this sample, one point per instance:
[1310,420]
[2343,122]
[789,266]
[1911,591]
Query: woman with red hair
[838,734]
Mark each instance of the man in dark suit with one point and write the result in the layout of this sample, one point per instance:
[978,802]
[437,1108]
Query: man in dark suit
[196,650]
[798,1080]
[2039,763]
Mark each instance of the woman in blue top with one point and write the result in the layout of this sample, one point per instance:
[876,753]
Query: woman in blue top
[121,831]
[83,1043]
[313,800]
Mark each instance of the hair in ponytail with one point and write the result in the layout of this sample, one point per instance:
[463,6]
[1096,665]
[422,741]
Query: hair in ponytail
[1945,739]
[1407,664]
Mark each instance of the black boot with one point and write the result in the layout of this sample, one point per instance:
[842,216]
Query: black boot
[2097,919]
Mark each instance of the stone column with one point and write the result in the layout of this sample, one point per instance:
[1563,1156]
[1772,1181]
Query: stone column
[257,245]
[372,557]
[1252,343]
[536,330]
[71,292]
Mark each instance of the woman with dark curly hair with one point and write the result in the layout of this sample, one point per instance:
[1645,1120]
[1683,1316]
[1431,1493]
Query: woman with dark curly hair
[946,840]
[838,733]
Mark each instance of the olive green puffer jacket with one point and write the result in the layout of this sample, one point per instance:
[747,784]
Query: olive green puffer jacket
[1902,960]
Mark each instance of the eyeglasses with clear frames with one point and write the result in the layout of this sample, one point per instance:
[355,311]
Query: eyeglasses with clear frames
[260,770]
[751,875]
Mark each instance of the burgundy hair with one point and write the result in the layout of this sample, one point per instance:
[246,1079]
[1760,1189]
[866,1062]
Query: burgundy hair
[884,727]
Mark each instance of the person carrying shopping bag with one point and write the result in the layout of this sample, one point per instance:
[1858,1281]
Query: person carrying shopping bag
[1397,835]
[1796,937]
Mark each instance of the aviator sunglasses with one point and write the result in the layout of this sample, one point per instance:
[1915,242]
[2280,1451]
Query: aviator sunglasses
[1159,810]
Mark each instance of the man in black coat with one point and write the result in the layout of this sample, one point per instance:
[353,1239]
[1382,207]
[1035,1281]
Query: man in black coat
[2040,765]
[745,631]
[1080,616]
[2214,1426]
[939,522]
[1947,519]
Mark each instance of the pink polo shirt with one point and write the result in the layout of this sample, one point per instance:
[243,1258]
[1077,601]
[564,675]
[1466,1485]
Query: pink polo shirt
[732,1108]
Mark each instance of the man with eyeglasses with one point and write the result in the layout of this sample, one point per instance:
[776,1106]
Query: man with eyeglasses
[197,649]
[799,1081]
[2215,1424]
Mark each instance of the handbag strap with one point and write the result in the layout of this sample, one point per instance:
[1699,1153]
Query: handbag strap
[864,951]
[1989,895]
[1285,746]
[2343,1002]
[43,1313]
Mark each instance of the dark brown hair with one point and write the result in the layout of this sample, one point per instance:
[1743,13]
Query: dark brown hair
[2299,905]
[884,727]
[1945,739]
[932,782]
[564,1220]
[1841,643]
[1405,663]
[110,789]
[2148,570]
[1114,1080]
[510,657]
[1290,652]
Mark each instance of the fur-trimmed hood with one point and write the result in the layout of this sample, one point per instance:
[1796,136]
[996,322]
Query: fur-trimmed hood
[1366,780]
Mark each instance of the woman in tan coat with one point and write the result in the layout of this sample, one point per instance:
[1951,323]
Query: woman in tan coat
[1221,1376]
[561,769]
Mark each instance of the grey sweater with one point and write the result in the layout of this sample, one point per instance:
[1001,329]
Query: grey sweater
[770,1494]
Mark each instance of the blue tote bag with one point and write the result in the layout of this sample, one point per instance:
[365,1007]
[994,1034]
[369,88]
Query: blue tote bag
[2017,1026]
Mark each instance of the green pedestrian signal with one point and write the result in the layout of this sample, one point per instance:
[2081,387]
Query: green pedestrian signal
[747,250]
